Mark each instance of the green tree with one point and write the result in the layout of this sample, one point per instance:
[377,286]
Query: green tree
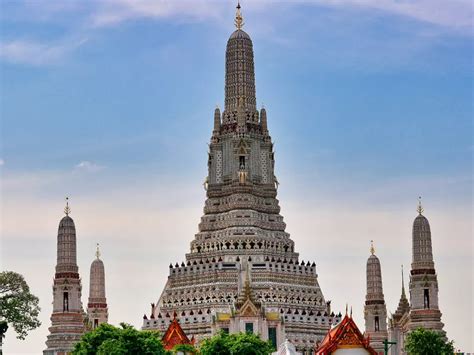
[185,348]
[241,343]
[18,307]
[107,339]
[427,342]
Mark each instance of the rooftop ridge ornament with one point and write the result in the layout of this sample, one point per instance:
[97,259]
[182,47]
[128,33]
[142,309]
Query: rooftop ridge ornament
[97,252]
[67,209]
[239,20]
[372,249]
[420,208]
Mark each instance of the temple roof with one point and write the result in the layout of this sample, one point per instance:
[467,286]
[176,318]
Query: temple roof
[175,335]
[66,244]
[344,335]
[403,304]
[374,278]
[239,34]
[422,257]
[239,69]
[97,279]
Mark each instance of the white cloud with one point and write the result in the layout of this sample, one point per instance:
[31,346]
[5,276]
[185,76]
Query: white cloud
[113,12]
[455,14]
[2,162]
[88,166]
[37,53]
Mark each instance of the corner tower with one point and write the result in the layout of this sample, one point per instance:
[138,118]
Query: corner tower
[241,236]
[424,310]
[67,319]
[97,310]
[375,310]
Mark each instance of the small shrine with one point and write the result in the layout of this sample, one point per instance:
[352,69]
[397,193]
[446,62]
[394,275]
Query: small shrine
[175,335]
[345,338]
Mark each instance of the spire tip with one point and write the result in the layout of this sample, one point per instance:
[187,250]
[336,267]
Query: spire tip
[372,249]
[67,209]
[239,20]
[420,208]
[403,283]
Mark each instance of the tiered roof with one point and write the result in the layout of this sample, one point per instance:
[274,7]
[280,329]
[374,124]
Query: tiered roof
[344,335]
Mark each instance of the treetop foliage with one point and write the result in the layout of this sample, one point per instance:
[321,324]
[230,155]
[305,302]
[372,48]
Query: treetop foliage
[240,343]
[423,342]
[107,339]
[18,306]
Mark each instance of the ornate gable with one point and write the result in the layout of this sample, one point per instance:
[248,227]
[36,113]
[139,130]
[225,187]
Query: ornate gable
[175,335]
[345,335]
[247,305]
[248,309]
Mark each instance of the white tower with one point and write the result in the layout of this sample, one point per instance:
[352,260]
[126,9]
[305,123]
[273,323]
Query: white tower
[67,319]
[424,310]
[375,310]
[97,310]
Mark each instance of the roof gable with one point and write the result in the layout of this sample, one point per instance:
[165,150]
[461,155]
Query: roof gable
[345,335]
[248,309]
[175,335]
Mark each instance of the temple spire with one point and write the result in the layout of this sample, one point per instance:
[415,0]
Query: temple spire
[67,318]
[403,284]
[97,309]
[419,209]
[239,20]
[240,75]
[67,209]
[375,310]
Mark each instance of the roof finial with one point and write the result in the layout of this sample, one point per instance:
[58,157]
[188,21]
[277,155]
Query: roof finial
[372,249]
[346,308]
[97,252]
[419,209]
[239,20]
[67,209]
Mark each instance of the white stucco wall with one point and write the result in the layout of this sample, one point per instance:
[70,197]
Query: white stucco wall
[352,351]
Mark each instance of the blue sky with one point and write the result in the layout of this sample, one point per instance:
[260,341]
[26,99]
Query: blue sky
[369,104]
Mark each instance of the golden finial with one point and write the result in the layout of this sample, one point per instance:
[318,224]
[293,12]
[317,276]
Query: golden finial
[372,249]
[419,209]
[97,252]
[67,209]
[239,20]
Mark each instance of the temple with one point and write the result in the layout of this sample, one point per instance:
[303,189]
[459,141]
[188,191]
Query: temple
[345,338]
[423,310]
[67,319]
[97,311]
[242,272]
[175,335]
[375,310]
